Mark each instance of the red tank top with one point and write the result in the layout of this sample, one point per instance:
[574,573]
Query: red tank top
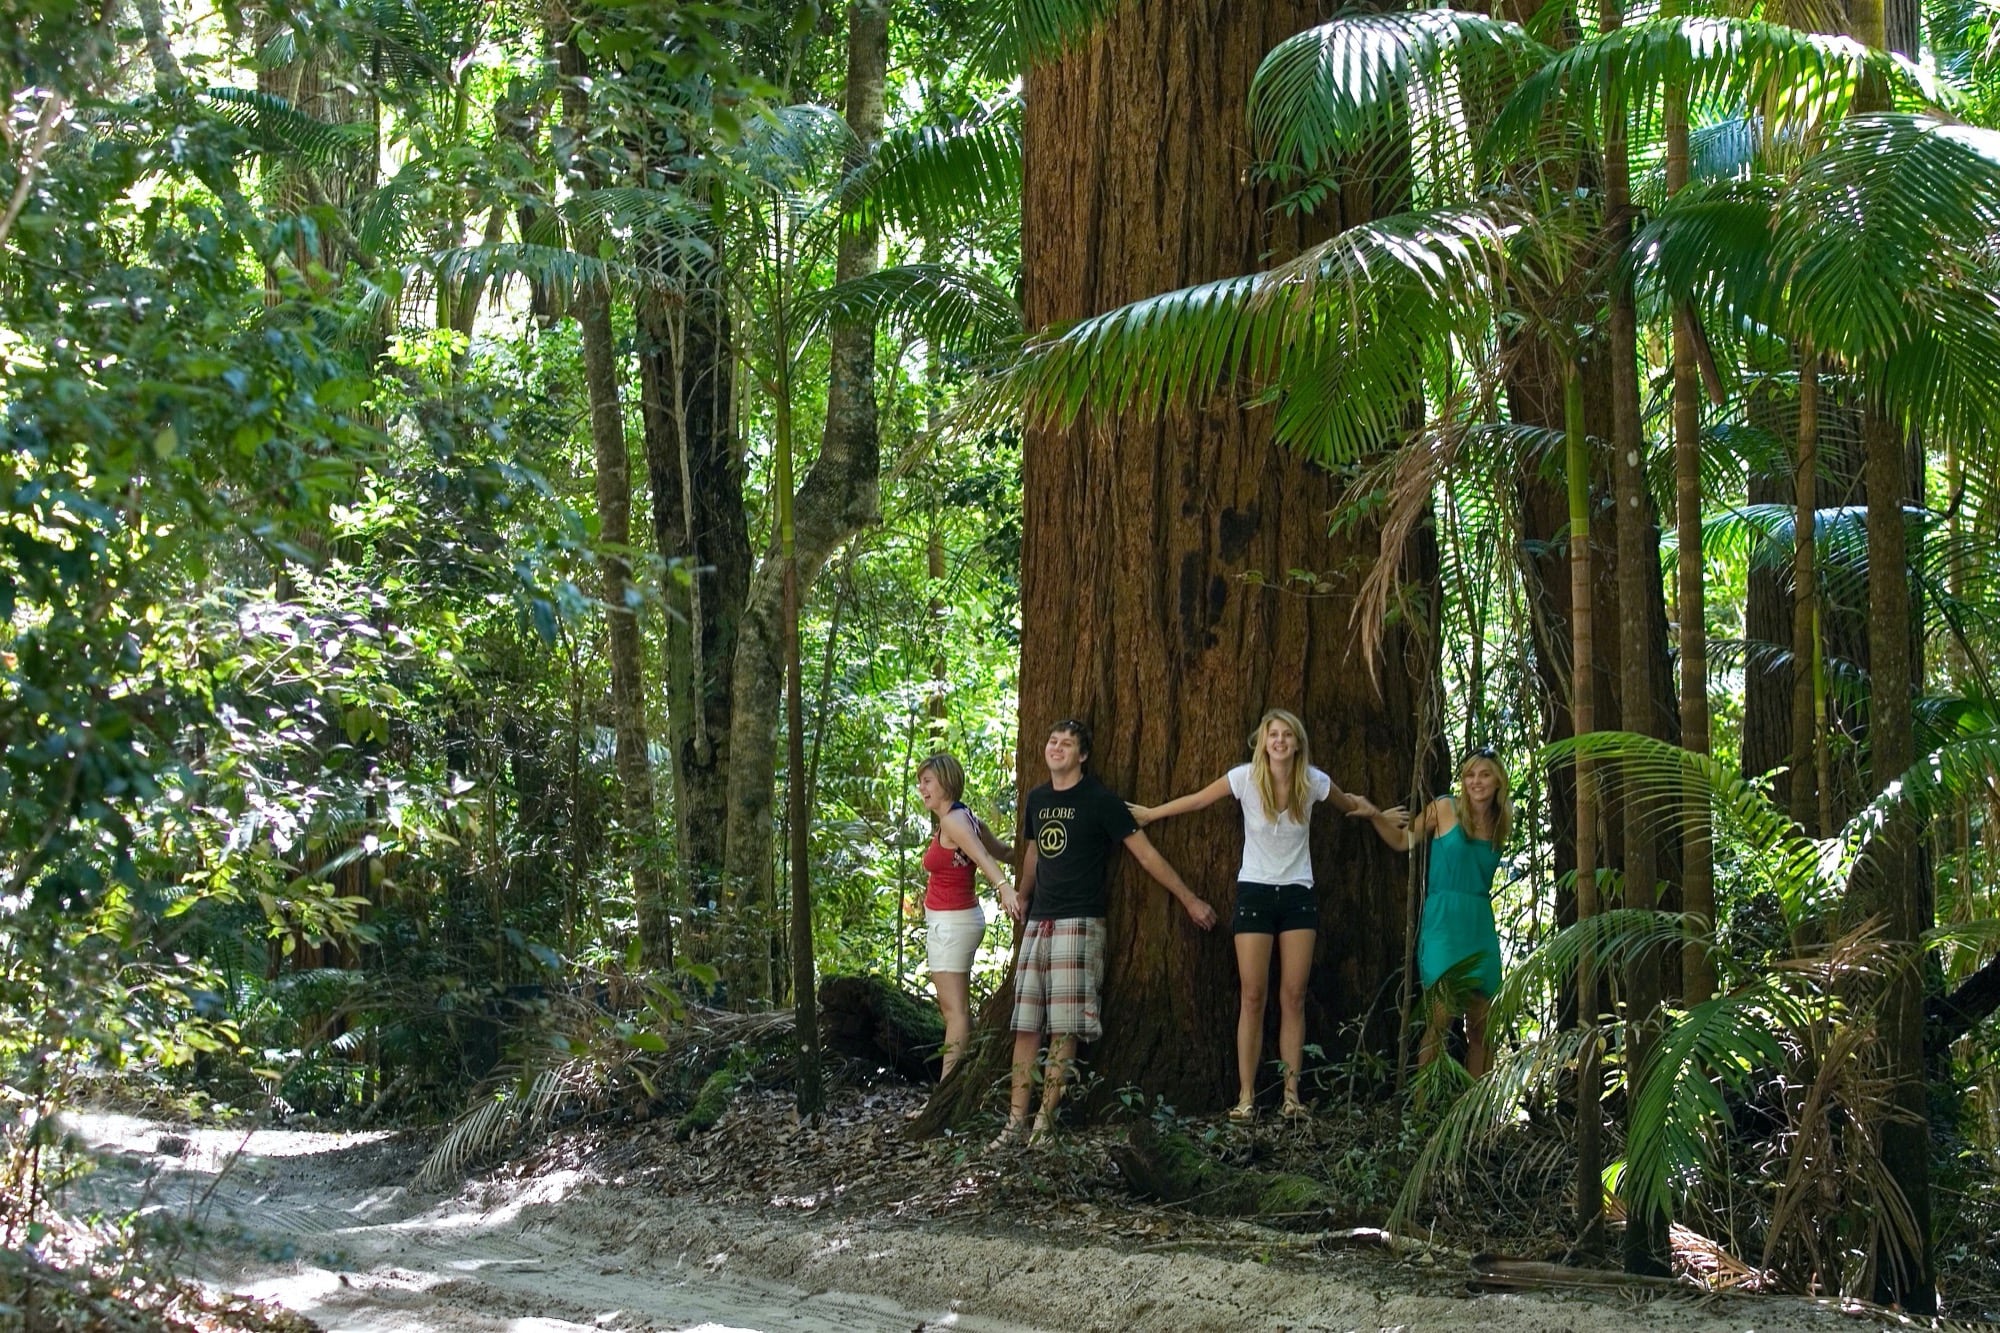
[950,886]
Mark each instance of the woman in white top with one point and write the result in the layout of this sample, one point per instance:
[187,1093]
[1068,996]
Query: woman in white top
[1274,891]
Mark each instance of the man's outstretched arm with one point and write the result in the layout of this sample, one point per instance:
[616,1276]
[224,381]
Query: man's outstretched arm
[1148,856]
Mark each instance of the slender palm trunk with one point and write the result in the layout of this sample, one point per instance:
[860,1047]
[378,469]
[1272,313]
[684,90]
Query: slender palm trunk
[805,1000]
[1638,564]
[1893,885]
[1810,795]
[1583,655]
[1697,860]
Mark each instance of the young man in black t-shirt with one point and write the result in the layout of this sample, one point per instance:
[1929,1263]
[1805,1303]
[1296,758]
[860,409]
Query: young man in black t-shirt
[1073,822]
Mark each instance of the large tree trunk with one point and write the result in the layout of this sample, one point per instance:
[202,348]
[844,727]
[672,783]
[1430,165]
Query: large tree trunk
[839,495]
[613,481]
[700,525]
[1135,614]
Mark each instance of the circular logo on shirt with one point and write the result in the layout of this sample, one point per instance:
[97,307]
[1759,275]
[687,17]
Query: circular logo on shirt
[1053,838]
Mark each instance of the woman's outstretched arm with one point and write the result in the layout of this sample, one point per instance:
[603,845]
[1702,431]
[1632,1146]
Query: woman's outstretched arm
[1002,851]
[1180,805]
[1394,825]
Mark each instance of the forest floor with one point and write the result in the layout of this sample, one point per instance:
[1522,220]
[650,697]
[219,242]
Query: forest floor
[768,1225]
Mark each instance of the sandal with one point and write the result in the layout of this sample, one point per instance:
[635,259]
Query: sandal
[1243,1112]
[1008,1137]
[1295,1109]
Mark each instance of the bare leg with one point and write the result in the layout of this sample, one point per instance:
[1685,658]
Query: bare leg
[1295,960]
[1478,1058]
[954,997]
[1434,1034]
[1027,1045]
[1062,1057]
[1253,977]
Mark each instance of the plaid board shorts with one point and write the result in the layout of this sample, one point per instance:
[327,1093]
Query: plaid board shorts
[1055,985]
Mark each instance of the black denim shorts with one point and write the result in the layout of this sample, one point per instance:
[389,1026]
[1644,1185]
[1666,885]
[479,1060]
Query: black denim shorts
[1273,909]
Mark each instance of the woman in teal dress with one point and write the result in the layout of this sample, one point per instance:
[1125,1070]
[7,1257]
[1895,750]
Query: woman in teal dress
[1457,937]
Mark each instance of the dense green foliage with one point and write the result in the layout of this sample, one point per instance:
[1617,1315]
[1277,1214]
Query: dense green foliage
[310,780]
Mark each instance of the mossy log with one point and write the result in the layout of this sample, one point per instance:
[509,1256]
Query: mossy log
[869,1018]
[710,1102]
[1172,1168]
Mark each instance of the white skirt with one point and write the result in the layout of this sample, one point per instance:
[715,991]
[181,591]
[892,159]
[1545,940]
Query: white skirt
[952,938]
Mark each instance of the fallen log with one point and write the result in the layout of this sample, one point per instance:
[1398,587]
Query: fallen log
[870,1019]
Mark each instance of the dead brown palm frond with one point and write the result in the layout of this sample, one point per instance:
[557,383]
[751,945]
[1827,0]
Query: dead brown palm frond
[1405,482]
[1851,966]
[1837,1200]
[494,1125]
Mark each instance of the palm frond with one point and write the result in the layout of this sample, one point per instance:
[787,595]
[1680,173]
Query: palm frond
[1614,939]
[489,1128]
[1365,89]
[932,179]
[1020,34]
[552,268]
[274,126]
[1337,335]
[947,305]
[1792,77]
[1673,785]
[1679,1112]
[1488,1107]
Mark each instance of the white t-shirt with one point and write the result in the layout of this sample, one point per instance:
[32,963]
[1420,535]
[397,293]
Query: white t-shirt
[1275,851]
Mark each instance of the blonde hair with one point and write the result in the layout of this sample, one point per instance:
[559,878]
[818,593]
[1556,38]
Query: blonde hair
[949,772]
[1503,805]
[1298,800]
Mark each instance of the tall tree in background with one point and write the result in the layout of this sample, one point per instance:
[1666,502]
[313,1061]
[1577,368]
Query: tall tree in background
[837,497]
[1892,881]
[1638,586]
[694,462]
[591,304]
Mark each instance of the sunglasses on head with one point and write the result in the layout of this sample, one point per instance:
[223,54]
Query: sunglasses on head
[1483,752]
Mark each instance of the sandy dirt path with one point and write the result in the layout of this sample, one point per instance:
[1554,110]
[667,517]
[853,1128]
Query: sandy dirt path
[325,1224]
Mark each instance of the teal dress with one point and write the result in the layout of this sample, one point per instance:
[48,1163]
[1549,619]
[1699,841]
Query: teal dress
[1458,911]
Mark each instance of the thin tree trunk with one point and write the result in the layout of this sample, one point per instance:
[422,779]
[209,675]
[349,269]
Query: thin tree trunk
[805,1000]
[1892,880]
[1645,1236]
[613,483]
[1810,794]
[839,495]
[1583,721]
[1697,873]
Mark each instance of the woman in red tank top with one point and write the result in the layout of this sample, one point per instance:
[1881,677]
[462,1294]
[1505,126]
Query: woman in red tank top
[953,922]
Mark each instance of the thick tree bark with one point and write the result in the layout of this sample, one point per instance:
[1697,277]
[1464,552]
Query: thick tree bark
[1135,614]
[839,496]
[613,482]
